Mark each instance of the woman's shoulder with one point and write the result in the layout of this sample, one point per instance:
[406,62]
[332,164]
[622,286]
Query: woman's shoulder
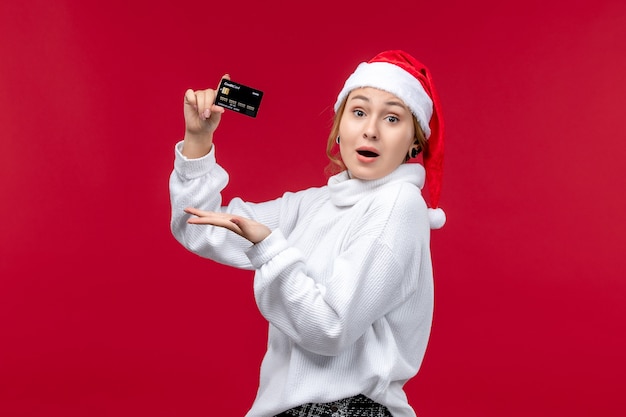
[402,198]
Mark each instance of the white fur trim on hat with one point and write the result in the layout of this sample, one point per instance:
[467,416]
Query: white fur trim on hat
[395,80]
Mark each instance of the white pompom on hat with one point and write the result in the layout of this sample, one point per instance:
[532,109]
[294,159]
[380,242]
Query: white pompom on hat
[400,74]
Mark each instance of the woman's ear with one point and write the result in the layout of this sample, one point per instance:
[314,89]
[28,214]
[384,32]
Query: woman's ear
[416,149]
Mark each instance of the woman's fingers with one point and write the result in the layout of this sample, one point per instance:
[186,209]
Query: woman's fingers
[207,217]
[213,219]
[247,228]
[205,100]
[190,98]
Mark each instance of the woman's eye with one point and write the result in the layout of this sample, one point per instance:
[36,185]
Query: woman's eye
[359,113]
[392,119]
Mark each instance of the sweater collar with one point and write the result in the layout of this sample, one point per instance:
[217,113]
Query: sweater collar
[346,191]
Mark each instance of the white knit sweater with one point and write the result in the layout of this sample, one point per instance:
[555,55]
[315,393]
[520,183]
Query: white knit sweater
[344,280]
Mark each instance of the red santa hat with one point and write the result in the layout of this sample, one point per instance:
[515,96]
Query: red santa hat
[400,74]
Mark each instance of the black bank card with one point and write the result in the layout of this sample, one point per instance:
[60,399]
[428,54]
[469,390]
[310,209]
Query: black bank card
[238,97]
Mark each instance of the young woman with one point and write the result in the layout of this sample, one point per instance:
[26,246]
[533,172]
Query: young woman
[343,272]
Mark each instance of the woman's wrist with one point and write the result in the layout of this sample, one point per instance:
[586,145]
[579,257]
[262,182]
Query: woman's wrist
[196,146]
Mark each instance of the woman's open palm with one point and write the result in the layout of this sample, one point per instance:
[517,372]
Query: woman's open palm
[247,228]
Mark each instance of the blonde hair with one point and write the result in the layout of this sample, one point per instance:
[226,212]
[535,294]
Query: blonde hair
[336,164]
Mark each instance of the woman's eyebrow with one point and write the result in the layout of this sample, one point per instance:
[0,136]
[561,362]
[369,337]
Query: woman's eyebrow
[360,98]
[395,103]
[388,103]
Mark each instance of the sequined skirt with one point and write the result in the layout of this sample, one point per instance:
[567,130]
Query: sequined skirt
[357,406]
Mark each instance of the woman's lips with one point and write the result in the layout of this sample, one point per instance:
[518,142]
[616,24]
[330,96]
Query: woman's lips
[366,155]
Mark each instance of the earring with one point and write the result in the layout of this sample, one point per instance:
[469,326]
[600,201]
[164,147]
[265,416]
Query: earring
[337,140]
[413,153]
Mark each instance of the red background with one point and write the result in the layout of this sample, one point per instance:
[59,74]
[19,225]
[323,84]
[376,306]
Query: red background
[102,313]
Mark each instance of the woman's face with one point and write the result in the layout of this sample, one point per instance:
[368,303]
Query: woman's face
[376,133]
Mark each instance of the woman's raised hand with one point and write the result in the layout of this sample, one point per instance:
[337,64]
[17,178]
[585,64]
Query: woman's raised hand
[247,228]
[202,118]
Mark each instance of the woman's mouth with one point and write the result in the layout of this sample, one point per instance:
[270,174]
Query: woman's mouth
[367,153]
[366,156]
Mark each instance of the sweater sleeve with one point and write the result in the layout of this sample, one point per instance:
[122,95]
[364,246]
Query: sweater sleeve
[377,268]
[198,183]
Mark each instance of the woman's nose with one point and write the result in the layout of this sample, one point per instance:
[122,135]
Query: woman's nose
[371,131]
